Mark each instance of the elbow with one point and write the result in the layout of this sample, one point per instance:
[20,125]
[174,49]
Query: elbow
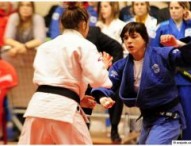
[102,82]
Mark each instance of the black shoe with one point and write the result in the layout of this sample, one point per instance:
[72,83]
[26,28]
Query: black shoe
[116,139]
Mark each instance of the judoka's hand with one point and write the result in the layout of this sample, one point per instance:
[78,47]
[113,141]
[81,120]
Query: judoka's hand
[88,102]
[106,102]
[170,40]
[107,59]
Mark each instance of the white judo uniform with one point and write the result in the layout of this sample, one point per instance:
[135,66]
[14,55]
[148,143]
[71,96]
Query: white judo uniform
[68,61]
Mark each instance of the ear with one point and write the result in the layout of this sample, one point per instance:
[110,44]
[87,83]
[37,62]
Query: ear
[84,25]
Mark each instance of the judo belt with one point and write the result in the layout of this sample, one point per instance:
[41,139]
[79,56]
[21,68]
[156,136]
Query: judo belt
[184,73]
[162,110]
[60,91]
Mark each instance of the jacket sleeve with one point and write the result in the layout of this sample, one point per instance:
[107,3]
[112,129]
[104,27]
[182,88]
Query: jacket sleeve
[181,56]
[105,43]
[110,46]
[54,28]
[115,74]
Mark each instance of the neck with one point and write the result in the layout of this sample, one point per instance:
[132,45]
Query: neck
[178,22]
[141,18]
[139,56]
[108,21]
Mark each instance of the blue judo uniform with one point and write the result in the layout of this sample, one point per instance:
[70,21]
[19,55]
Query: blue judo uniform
[184,85]
[157,95]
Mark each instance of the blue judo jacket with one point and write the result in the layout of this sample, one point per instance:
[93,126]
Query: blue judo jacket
[157,85]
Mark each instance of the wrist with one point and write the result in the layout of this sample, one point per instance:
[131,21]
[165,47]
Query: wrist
[179,43]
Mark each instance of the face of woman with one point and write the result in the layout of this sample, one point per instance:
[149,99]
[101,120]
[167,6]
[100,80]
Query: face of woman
[26,9]
[176,11]
[140,8]
[106,10]
[135,44]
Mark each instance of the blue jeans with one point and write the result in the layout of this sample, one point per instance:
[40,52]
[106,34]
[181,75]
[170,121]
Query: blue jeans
[162,131]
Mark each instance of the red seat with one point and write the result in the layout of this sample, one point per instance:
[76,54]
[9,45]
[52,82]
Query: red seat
[8,79]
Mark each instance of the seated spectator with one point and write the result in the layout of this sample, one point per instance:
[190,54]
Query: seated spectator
[126,12]
[24,32]
[141,14]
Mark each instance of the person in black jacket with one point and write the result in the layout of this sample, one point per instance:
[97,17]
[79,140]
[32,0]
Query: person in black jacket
[106,44]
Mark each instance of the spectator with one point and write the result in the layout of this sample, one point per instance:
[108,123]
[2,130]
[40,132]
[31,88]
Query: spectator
[126,14]
[141,14]
[24,32]
[109,22]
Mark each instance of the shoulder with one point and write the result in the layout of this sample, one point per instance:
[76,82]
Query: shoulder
[116,69]
[87,44]
[163,52]
[165,23]
[152,18]
[131,20]
[73,38]
[119,22]
[14,16]
[13,20]
[120,63]
[37,17]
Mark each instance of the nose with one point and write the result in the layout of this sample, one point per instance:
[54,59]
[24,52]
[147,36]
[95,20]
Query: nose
[129,40]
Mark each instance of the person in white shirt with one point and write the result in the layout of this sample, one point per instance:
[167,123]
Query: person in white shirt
[141,14]
[108,20]
[64,67]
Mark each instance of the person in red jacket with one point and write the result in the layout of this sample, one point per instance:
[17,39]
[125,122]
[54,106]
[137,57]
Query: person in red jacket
[5,10]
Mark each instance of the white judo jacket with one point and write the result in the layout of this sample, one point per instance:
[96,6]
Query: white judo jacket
[68,61]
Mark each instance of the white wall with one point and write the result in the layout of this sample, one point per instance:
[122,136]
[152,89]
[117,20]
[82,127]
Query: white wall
[42,8]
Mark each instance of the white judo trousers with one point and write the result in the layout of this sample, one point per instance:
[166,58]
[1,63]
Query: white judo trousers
[45,131]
